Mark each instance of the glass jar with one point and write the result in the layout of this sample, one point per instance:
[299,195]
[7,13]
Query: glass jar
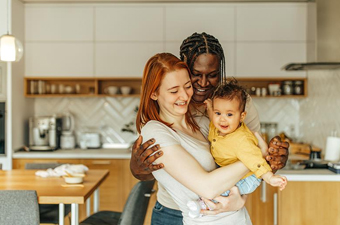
[287,87]
[298,87]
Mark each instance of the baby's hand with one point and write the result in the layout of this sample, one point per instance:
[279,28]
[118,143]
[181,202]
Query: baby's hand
[278,181]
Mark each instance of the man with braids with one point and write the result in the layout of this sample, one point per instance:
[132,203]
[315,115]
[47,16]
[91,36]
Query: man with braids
[205,58]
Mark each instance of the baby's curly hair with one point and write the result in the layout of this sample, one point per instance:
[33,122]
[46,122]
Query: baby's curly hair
[231,90]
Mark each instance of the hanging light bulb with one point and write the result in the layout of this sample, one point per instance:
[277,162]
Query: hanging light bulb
[11,49]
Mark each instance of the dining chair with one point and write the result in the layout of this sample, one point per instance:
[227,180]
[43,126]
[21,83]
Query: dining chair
[19,207]
[134,210]
[49,213]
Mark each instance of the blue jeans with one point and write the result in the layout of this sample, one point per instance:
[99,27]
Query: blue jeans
[162,215]
[246,185]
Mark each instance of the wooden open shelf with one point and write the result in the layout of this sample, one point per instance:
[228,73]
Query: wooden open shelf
[95,87]
[78,87]
[248,83]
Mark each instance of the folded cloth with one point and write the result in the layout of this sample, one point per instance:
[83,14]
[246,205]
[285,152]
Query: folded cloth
[60,170]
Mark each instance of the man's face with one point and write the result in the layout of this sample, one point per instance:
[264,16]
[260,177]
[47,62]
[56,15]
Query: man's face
[205,76]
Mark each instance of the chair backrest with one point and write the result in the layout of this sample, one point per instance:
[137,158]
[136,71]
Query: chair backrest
[19,207]
[137,204]
[41,166]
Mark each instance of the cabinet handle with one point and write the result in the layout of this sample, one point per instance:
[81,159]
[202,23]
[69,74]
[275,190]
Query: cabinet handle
[275,208]
[101,162]
[263,196]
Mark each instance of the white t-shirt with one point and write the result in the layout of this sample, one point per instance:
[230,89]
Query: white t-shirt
[171,192]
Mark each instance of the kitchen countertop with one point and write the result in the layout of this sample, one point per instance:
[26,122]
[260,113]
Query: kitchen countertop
[75,154]
[292,175]
[310,175]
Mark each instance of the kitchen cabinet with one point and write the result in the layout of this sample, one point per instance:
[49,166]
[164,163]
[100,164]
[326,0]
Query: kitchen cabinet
[301,202]
[279,33]
[79,87]
[311,203]
[261,205]
[105,40]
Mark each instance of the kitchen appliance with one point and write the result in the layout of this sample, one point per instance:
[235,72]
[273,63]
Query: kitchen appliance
[89,140]
[67,140]
[44,133]
[2,128]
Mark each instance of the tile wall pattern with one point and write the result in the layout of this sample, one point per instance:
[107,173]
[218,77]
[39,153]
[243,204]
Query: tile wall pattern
[93,113]
[312,118]
[319,112]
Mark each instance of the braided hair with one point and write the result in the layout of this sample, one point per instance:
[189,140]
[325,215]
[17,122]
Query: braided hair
[198,44]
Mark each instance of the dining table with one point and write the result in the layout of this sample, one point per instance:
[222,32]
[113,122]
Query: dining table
[54,190]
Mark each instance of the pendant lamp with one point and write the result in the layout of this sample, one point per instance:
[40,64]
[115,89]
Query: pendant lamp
[11,49]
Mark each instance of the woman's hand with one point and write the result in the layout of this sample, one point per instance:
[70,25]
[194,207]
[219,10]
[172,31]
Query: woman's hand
[225,204]
[277,153]
[141,163]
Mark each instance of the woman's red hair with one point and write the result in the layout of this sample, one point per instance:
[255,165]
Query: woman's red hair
[155,70]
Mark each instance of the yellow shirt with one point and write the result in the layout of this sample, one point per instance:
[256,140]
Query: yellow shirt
[240,145]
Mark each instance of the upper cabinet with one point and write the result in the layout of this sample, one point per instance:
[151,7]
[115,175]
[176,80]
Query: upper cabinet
[270,36]
[116,40]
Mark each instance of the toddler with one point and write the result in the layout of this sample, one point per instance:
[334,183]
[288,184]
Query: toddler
[231,140]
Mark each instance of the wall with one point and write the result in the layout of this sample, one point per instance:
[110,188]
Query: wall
[22,108]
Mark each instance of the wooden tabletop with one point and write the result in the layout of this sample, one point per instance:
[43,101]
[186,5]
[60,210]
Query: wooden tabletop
[49,190]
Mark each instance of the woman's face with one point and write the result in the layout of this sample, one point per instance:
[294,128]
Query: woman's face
[205,76]
[174,93]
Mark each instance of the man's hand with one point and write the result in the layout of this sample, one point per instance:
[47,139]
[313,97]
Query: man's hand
[277,153]
[225,204]
[141,163]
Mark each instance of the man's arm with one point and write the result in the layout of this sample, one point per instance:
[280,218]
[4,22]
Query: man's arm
[141,163]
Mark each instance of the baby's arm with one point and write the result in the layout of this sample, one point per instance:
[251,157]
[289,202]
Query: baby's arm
[210,111]
[275,180]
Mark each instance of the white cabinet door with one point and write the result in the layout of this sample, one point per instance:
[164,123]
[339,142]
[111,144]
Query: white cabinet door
[271,22]
[61,22]
[137,23]
[182,20]
[59,40]
[126,59]
[59,59]
[267,59]
[126,37]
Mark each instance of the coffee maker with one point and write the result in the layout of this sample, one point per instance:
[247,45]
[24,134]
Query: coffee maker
[44,133]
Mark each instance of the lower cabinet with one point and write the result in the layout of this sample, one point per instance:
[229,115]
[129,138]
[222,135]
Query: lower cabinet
[300,203]
[115,189]
[311,203]
[262,205]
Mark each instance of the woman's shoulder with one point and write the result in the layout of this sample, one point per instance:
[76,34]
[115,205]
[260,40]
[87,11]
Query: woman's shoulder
[155,125]
[160,132]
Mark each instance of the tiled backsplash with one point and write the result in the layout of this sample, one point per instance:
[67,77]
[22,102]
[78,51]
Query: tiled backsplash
[97,113]
[312,118]
[319,112]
